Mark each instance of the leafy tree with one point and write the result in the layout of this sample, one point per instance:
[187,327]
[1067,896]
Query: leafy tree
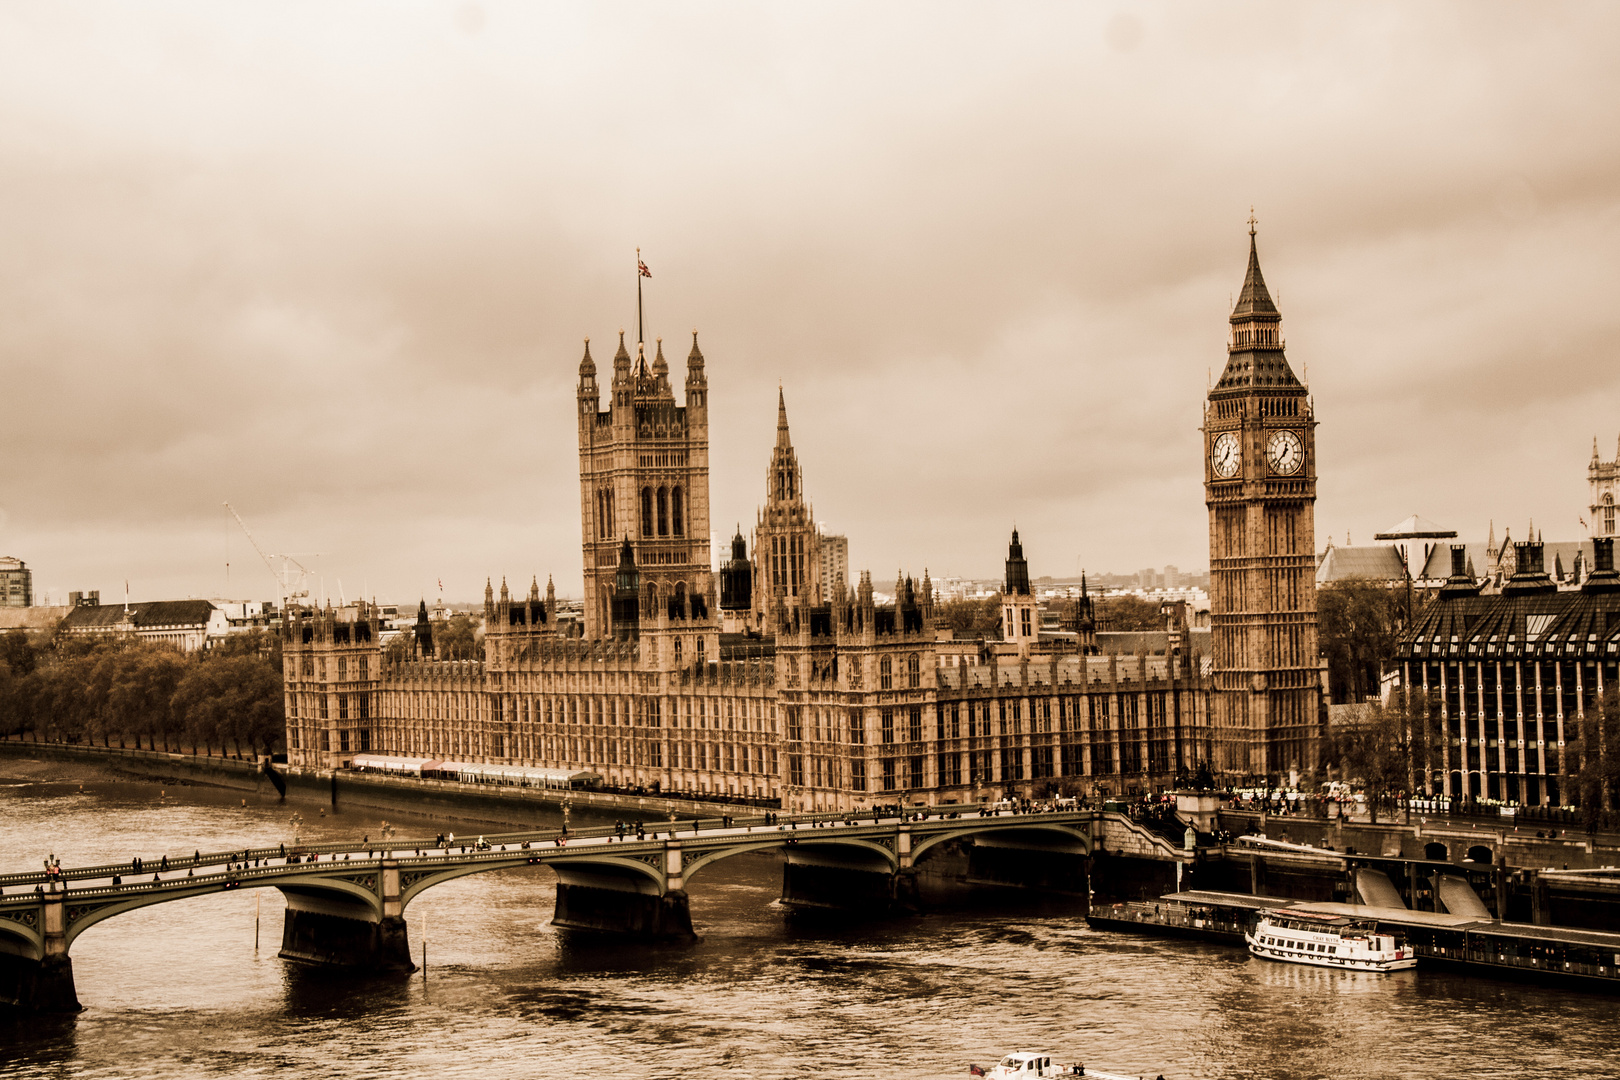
[401,647]
[1394,750]
[970,617]
[1128,612]
[1358,623]
[459,638]
[234,697]
[1597,752]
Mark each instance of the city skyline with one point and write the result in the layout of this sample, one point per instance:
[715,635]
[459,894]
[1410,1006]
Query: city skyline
[337,273]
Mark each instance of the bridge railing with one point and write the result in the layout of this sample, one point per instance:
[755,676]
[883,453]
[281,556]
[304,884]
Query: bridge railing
[243,859]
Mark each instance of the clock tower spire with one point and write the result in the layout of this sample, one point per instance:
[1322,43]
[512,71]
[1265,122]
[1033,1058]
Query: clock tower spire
[1260,488]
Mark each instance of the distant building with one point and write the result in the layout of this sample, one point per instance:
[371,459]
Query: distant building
[1417,539]
[33,620]
[16,583]
[188,625]
[245,615]
[834,563]
[1604,477]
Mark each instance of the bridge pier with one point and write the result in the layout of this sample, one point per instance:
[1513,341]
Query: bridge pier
[45,983]
[597,898]
[322,927]
[835,877]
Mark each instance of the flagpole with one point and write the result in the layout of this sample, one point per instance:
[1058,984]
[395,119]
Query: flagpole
[640,339]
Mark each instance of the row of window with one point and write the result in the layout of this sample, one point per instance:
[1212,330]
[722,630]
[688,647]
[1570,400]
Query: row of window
[361,667]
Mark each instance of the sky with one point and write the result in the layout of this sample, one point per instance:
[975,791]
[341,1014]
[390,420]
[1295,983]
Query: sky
[334,264]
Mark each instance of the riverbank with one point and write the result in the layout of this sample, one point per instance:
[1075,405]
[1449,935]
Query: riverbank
[437,799]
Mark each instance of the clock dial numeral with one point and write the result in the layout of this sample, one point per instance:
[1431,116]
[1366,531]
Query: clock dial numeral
[1285,453]
[1226,455]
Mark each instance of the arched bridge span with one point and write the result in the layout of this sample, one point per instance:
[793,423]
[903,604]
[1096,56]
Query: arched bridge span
[346,903]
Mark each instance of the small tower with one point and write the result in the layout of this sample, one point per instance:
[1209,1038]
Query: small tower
[423,645]
[626,596]
[1020,621]
[786,541]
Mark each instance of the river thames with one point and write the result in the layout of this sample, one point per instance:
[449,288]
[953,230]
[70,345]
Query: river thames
[179,990]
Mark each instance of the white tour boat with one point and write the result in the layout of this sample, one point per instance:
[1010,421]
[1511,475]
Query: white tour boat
[1031,1064]
[1335,941]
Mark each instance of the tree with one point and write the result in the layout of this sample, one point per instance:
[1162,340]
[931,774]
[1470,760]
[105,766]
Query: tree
[970,616]
[1598,753]
[1119,613]
[234,697]
[1393,750]
[459,638]
[401,647]
[1357,625]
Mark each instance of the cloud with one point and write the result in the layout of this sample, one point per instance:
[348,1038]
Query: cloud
[335,265]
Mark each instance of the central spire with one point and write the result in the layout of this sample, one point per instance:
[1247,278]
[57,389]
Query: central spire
[783,442]
[1254,299]
[1255,359]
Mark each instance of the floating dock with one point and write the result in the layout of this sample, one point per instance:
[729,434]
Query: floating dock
[1584,958]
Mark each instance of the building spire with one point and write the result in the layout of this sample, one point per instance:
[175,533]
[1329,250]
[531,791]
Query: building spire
[1254,299]
[783,442]
[1255,348]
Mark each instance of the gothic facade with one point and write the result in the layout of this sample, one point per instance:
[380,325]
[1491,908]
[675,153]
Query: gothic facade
[1604,480]
[775,683]
[1260,488]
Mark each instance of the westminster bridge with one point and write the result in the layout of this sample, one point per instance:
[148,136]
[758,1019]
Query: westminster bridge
[346,902]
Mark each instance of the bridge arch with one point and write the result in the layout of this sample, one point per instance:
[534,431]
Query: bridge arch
[415,881]
[344,891]
[1068,839]
[22,937]
[873,855]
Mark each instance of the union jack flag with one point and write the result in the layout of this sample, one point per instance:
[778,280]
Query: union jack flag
[642,267]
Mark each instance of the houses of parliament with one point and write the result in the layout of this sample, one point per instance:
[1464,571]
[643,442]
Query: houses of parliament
[767,680]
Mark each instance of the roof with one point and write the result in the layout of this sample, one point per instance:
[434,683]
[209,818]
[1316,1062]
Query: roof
[1438,566]
[1414,526]
[1254,299]
[1567,623]
[147,613]
[1376,562]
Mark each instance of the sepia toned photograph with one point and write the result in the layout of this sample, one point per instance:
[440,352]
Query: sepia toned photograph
[764,541]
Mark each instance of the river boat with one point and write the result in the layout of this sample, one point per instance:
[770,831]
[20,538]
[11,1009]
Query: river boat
[1034,1064]
[1301,936]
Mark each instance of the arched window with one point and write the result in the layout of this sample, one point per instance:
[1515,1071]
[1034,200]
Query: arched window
[677,603]
[663,511]
[913,670]
[885,674]
[676,514]
[1608,513]
[646,511]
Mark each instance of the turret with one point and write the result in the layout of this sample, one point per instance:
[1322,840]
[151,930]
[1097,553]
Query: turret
[590,395]
[423,633]
[660,368]
[1017,580]
[697,386]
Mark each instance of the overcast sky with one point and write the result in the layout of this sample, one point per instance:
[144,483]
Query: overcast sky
[334,263]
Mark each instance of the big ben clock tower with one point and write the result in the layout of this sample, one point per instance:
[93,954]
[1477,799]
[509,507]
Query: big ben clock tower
[1260,487]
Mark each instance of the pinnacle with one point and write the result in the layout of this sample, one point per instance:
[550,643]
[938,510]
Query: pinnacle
[696,353]
[623,353]
[1254,299]
[783,441]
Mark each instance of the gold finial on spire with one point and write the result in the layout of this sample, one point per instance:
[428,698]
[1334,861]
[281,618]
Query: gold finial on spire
[1253,221]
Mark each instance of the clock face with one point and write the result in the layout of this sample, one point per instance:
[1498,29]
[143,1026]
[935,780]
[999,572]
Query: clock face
[1226,455]
[1285,453]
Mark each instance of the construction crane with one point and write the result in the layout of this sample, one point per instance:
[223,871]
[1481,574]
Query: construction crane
[291,589]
